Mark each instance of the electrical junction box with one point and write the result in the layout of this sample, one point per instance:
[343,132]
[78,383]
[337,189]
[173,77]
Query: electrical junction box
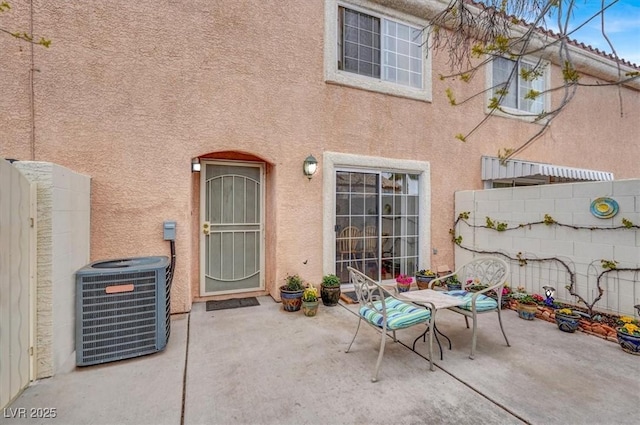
[169,230]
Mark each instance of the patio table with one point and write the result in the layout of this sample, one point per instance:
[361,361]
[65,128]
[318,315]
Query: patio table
[439,300]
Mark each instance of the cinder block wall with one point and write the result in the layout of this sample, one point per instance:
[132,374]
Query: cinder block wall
[582,249]
[63,198]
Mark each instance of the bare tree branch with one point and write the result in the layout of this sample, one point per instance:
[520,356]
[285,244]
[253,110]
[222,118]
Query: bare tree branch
[473,34]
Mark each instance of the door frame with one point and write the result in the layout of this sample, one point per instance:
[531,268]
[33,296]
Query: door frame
[201,238]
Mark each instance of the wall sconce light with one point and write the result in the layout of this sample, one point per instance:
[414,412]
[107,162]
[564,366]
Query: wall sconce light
[309,166]
[549,292]
[195,165]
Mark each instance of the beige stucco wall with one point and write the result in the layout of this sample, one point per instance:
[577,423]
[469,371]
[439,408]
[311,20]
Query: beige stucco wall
[129,92]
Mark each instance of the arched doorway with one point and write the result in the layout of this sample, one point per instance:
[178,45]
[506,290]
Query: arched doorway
[231,225]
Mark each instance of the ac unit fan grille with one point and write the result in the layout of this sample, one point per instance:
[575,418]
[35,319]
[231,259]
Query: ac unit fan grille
[120,325]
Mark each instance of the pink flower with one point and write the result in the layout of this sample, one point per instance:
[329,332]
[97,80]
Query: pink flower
[404,279]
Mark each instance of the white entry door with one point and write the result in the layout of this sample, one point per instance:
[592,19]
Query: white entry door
[232,217]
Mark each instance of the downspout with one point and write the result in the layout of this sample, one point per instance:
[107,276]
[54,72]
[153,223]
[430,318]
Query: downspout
[32,141]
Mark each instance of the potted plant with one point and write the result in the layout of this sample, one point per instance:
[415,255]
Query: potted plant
[330,290]
[474,285]
[403,282]
[310,301]
[291,293]
[423,277]
[526,305]
[629,334]
[567,319]
[453,283]
[506,296]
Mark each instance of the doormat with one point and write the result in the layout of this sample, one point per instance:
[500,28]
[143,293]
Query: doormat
[349,297]
[234,303]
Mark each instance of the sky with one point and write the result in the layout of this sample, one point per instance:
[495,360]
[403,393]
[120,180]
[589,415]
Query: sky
[622,25]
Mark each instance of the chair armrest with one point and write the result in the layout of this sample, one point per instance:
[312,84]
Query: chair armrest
[487,289]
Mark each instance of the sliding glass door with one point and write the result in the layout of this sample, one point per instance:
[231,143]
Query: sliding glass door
[376,223]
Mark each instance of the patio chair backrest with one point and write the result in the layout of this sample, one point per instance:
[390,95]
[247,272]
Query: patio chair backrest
[367,290]
[489,271]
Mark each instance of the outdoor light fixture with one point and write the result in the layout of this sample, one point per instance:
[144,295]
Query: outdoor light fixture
[548,292]
[309,166]
[637,307]
[195,165]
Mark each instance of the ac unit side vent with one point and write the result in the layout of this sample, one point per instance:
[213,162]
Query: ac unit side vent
[129,321]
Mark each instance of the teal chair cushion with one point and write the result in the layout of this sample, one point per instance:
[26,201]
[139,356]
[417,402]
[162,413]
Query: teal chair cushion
[483,303]
[399,315]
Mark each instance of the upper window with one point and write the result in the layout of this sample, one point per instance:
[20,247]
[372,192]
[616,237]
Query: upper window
[379,48]
[376,48]
[519,86]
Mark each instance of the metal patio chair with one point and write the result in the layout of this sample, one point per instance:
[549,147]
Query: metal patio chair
[490,271]
[384,312]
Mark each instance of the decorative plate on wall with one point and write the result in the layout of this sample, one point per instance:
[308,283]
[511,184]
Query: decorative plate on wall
[604,207]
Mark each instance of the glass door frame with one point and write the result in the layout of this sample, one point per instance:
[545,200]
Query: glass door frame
[332,161]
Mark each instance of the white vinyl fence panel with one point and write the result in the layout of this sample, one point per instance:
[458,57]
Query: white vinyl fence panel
[17,267]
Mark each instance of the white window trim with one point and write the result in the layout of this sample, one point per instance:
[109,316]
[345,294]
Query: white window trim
[333,160]
[517,113]
[333,75]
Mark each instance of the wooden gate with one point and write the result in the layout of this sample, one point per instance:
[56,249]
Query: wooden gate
[17,280]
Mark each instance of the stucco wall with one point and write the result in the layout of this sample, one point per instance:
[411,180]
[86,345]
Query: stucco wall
[63,198]
[129,92]
[581,241]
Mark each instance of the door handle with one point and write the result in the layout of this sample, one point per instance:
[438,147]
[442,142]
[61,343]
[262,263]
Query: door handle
[206,228]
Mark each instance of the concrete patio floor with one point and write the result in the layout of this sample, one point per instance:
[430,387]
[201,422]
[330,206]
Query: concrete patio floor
[261,365]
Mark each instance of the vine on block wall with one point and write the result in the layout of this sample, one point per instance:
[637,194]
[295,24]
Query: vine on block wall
[608,266]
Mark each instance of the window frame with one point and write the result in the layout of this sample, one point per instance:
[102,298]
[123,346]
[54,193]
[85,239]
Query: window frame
[515,112]
[333,75]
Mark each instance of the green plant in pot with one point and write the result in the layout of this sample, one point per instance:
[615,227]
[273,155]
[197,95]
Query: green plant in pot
[453,283]
[628,333]
[330,290]
[567,319]
[310,301]
[526,306]
[291,293]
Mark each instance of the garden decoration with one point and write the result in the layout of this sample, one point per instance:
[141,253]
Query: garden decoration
[549,292]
